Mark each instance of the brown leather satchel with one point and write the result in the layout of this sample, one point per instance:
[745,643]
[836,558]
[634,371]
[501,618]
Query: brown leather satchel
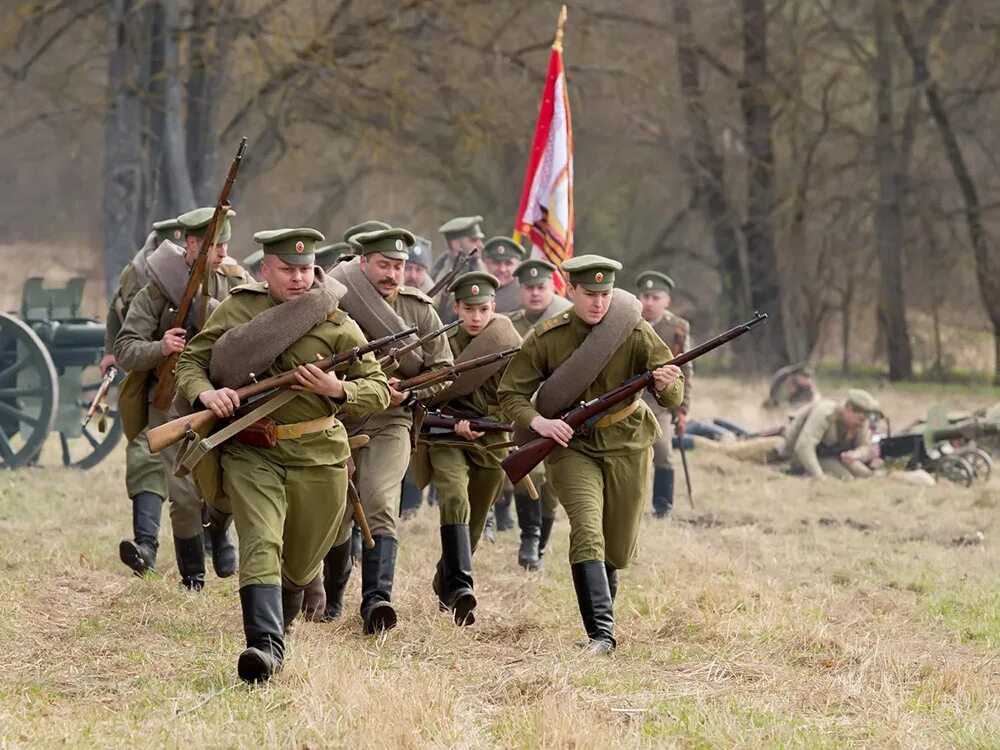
[261,434]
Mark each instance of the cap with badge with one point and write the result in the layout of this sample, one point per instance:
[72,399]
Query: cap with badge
[594,273]
[392,243]
[534,272]
[462,226]
[420,253]
[474,287]
[196,222]
[168,229]
[860,400]
[371,225]
[654,281]
[503,248]
[338,252]
[297,247]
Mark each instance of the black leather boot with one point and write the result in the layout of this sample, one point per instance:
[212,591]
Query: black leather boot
[191,562]
[439,584]
[139,553]
[501,509]
[593,594]
[357,544]
[263,626]
[456,568]
[224,556]
[663,492]
[547,523]
[291,603]
[336,573]
[612,572]
[314,599]
[378,568]
[529,517]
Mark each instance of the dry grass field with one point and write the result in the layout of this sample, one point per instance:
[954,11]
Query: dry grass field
[780,612]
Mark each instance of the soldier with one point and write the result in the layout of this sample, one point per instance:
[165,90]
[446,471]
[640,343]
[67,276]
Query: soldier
[501,255]
[144,478]
[461,235]
[380,305]
[792,385]
[654,292]
[466,469]
[539,302]
[288,495]
[827,438]
[601,477]
[145,339]
[415,273]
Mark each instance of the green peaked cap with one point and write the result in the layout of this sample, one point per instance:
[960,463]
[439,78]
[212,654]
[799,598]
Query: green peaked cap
[654,281]
[503,248]
[462,226]
[474,287]
[330,255]
[392,243]
[168,229]
[195,222]
[297,247]
[371,225]
[593,272]
[420,253]
[534,272]
[861,400]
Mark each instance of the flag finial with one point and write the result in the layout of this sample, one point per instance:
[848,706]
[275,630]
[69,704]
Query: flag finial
[558,43]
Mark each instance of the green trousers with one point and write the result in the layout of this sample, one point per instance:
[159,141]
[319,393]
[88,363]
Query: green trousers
[604,499]
[185,500]
[143,470]
[468,482]
[286,517]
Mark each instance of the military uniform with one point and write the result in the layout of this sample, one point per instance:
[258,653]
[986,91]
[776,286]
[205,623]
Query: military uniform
[145,480]
[137,348]
[535,518]
[421,255]
[467,474]
[381,464]
[500,250]
[601,478]
[454,230]
[785,390]
[288,500]
[817,436]
[676,334]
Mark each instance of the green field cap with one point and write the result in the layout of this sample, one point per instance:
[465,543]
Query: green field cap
[593,272]
[371,225]
[503,248]
[474,287]
[195,222]
[654,281]
[392,243]
[294,246]
[168,229]
[534,272]
[462,226]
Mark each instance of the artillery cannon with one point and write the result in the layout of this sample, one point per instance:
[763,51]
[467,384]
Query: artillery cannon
[49,357]
[944,448]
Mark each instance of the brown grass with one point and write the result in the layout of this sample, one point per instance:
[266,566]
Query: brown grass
[780,612]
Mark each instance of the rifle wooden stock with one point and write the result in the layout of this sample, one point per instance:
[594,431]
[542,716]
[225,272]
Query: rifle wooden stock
[519,463]
[432,377]
[456,269]
[163,393]
[167,434]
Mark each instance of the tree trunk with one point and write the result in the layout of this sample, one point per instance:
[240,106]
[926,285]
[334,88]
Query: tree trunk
[124,221]
[178,177]
[203,87]
[765,291]
[888,214]
[707,171]
[987,270]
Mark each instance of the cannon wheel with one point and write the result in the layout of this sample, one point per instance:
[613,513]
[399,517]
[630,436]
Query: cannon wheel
[92,446]
[956,469]
[29,392]
[980,461]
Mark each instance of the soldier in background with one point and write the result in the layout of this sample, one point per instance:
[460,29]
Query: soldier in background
[501,255]
[415,274]
[654,291]
[461,235]
[792,385]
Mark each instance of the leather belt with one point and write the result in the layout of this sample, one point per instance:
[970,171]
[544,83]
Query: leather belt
[616,416]
[298,429]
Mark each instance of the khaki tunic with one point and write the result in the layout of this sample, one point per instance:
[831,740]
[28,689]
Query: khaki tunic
[137,349]
[287,501]
[381,464]
[602,480]
[143,471]
[467,474]
[676,334]
[816,438]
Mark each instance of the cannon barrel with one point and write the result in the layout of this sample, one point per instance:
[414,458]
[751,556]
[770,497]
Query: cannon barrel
[965,431]
[78,342]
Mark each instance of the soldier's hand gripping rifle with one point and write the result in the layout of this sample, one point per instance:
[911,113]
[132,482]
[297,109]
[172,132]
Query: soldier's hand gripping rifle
[445,281]
[167,434]
[101,398]
[163,394]
[389,361]
[520,462]
[433,377]
[435,420]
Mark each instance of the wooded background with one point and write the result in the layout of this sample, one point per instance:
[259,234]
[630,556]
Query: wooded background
[831,162]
